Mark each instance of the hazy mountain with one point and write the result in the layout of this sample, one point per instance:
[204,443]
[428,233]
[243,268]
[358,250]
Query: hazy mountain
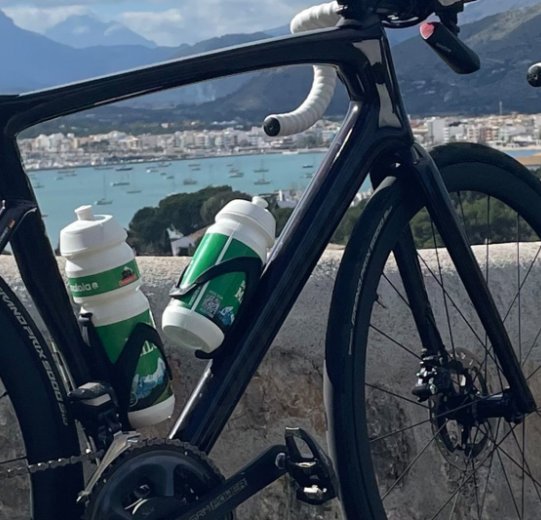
[473,11]
[32,61]
[82,31]
[507,44]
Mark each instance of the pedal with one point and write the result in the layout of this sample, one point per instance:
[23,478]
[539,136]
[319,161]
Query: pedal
[313,473]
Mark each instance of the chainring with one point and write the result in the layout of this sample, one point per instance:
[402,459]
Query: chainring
[156,468]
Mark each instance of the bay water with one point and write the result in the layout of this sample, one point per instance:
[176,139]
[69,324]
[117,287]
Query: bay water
[122,190]
[125,191]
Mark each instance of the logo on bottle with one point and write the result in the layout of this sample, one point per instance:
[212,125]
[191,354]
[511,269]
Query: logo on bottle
[127,276]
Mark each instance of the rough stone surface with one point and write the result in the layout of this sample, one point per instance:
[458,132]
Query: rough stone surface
[287,390]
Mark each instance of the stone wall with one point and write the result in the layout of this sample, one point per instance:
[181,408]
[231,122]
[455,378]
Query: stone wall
[287,390]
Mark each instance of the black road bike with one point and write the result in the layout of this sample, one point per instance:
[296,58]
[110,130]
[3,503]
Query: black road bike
[438,420]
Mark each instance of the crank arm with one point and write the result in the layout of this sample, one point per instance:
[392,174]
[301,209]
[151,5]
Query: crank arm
[215,505]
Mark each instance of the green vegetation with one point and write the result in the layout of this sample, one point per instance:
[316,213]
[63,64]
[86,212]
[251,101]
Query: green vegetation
[190,212]
[185,212]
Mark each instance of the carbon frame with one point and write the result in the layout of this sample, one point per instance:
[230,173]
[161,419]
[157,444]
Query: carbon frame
[374,136]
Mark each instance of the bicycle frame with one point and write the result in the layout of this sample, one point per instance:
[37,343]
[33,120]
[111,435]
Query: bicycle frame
[374,136]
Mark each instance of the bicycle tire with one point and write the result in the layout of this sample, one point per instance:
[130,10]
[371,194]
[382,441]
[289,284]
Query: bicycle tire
[360,399]
[34,396]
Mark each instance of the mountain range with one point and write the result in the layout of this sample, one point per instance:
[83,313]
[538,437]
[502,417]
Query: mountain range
[87,30]
[506,42]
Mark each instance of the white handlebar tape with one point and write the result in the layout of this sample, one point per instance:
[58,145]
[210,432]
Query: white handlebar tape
[313,107]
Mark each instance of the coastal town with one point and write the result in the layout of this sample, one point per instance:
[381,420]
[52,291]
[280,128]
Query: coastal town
[65,150]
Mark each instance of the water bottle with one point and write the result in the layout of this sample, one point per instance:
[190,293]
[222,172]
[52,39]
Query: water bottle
[199,319]
[104,279]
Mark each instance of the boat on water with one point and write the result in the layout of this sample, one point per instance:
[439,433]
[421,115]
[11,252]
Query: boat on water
[189,181]
[170,177]
[103,202]
[124,169]
[164,164]
[195,168]
[153,169]
[307,165]
[59,178]
[262,180]
[194,165]
[135,190]
[235,174]
[262,168]
[120,183]
[65,170]
[103,167]
[308,175]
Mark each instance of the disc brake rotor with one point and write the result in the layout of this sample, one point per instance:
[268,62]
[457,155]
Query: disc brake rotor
[461,438]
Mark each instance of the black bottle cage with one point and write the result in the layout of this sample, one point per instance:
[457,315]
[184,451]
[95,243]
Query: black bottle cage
[249,265]
[121,373]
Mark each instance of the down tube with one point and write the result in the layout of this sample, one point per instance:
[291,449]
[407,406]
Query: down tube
[295,254]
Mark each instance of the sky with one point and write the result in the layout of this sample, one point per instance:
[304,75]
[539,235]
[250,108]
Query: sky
[166,22]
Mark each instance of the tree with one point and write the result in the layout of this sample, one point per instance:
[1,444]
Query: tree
[212,205]
[185,212]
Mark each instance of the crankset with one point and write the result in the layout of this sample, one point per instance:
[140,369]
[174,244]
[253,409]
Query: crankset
[171,480]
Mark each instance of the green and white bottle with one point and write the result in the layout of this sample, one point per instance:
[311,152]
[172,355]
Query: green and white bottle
[104,279]
[199,319]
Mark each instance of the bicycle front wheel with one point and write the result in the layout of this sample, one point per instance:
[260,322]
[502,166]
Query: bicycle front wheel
[403,459]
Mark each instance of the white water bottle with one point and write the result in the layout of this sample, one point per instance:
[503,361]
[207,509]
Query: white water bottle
[104,279]
[199,319]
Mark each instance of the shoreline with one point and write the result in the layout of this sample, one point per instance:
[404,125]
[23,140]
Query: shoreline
[195,157]
[151,161]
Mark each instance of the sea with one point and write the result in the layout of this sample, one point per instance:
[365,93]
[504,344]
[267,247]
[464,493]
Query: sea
[122,190]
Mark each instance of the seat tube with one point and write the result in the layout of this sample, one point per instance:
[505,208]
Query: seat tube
[439,206]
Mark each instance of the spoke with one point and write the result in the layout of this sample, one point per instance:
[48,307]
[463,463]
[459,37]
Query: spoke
[409,351]
[490,466]
[11,461]
[452,301]
[403,298]
[411,464]
[444,292]
[375,387]
[474,474]
[503,468]
[461,407]
[465,321]
[522,284]
[455,502]
[524,462]
[533,373]
[465,480]
[532,347]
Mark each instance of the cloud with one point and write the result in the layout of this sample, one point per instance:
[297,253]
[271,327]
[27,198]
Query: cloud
[39,20]
[162,27]
[162,20]
[210,18]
